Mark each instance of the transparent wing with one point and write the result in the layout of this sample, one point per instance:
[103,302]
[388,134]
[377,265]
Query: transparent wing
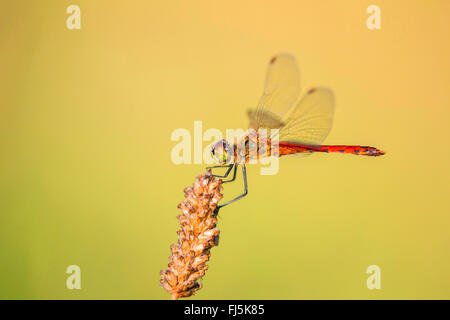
[281,91]
[310,121]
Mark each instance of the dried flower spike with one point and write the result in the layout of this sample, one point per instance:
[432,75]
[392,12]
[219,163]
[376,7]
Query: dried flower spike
[197,236]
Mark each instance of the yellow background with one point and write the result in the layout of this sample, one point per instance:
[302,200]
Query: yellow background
[86,176]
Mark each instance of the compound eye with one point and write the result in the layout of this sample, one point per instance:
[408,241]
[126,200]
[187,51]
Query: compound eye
[218,149]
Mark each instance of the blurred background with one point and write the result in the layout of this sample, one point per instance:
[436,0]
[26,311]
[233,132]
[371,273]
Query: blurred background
[86,176]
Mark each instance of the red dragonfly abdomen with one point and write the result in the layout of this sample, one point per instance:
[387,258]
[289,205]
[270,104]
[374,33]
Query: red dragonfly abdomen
[292,148]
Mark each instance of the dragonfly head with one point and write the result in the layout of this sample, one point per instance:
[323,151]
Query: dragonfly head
[222,152]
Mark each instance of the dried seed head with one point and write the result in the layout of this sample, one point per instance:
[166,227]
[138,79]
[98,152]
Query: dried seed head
[197,236]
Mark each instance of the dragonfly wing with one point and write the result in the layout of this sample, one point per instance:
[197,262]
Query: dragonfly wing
[281,91]
[310,121]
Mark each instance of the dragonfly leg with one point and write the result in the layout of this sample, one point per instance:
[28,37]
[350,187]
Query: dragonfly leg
[244,174]
[229,166]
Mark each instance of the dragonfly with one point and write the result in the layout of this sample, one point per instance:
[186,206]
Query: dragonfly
[301,124]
